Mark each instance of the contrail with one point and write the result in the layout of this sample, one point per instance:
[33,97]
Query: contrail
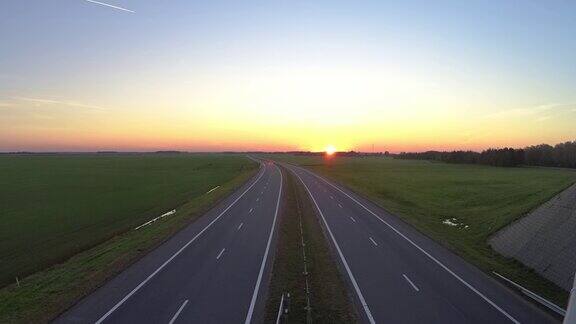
[111,6]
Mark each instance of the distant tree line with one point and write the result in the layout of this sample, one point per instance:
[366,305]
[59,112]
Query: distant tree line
[560,155]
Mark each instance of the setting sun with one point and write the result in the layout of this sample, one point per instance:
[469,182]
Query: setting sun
[330,149]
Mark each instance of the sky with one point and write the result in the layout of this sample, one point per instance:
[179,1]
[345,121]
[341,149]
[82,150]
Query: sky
[286,75]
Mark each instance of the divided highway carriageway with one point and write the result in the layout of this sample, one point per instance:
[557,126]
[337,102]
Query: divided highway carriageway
[398,275]
[216,270]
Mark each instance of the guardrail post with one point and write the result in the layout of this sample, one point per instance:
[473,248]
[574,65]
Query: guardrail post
[287,305]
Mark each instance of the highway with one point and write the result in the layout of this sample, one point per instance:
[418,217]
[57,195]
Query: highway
[398,275]
[215,270]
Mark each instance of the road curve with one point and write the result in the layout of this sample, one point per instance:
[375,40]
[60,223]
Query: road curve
[398,275]
[215,270]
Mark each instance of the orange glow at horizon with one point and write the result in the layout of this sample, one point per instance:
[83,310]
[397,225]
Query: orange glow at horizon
[282,110]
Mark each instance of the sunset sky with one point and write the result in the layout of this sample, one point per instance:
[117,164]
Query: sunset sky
[286,75]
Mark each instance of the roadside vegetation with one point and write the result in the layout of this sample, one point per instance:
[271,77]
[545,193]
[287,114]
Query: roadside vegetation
[329,301]
[71,219]
[460,206]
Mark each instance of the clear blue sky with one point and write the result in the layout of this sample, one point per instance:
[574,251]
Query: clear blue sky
[196,69]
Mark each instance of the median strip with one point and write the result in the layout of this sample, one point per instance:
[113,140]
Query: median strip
[304,267]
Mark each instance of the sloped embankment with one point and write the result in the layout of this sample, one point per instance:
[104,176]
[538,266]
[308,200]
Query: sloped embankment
[545,239]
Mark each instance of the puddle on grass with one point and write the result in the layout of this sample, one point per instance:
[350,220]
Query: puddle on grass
[454,223]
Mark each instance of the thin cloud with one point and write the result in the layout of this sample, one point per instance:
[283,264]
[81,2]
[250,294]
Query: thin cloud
[40,101]
[111,6]
[541,112]
[543,118]
[555,111]
[520,112]
[558,105]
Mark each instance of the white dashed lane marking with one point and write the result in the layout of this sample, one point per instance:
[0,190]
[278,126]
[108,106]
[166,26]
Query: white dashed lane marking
[373,242]
[220,254]
[410,282]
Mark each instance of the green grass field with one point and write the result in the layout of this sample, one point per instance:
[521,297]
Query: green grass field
[424,193]
[54,206]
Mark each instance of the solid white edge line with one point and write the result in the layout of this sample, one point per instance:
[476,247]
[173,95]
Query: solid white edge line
[220,254]
[559,310]
[488,300]
[373,242]
[265,258]
[410,282]
[178,312]
[280,308]
[123,300]
[342,258]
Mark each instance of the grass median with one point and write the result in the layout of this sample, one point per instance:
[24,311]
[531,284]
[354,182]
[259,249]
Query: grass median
[460,206]
[100,248]
[329,300]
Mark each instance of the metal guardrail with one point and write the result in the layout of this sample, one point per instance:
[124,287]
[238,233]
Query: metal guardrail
[555,308]
[571,311]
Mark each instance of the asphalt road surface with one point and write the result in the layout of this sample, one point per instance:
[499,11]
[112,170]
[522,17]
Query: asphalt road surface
[215,270]
[398,275]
